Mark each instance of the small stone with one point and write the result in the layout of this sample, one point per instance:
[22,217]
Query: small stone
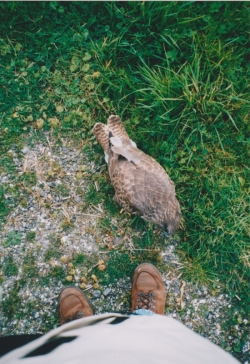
[107,291]
[37,315]
[64,239]
[51,184]
[96,294]
[218,326]
[25,150]
[246,347]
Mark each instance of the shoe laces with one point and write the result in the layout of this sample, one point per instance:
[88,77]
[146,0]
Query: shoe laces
[146,300]
[78,315]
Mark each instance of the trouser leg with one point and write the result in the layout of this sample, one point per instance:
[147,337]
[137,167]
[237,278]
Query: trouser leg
[8,343]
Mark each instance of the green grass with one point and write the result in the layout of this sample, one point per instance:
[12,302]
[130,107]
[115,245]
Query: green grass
[178,75]
[10,269]
[127,262]
[12,303]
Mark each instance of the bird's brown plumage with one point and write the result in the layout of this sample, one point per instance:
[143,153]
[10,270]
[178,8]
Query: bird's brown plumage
[142,187]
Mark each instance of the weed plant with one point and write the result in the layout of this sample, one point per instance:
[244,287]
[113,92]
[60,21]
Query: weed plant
[178,75]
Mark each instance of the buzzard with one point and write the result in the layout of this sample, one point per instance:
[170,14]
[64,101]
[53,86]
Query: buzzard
[142,187]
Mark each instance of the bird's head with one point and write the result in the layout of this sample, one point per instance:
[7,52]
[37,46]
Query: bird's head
[172,224]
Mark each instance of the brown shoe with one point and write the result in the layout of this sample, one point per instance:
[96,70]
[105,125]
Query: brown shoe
[73,304]
[148,291]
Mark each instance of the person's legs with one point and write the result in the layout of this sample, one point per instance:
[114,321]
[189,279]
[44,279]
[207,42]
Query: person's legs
[148,298]
[123,338]
[9,343]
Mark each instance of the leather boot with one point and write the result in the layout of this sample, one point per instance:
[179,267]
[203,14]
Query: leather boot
[148,291]
[73,304]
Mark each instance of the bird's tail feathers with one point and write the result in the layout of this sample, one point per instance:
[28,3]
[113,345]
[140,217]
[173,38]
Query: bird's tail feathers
[101,133]
[117,129]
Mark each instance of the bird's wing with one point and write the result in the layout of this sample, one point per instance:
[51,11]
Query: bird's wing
[145,163]
[144,192]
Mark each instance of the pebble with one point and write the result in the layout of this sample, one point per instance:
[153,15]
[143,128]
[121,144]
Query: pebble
[107,291]
[25,150]
[96,294]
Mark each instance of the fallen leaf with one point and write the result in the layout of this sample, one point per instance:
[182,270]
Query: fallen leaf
[94,277]
[59,108]
[64,259]
[54,122]
[101,267]
[39,123]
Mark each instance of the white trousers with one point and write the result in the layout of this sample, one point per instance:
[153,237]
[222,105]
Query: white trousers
[115,338]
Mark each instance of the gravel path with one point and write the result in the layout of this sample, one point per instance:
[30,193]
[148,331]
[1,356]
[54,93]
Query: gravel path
[49,219]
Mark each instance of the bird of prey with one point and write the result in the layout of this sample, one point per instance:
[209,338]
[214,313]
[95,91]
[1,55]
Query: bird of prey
[142,187]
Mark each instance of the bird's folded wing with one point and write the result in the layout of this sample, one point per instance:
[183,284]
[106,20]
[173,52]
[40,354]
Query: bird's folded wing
[127,153]
[145,162]
[146,193]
